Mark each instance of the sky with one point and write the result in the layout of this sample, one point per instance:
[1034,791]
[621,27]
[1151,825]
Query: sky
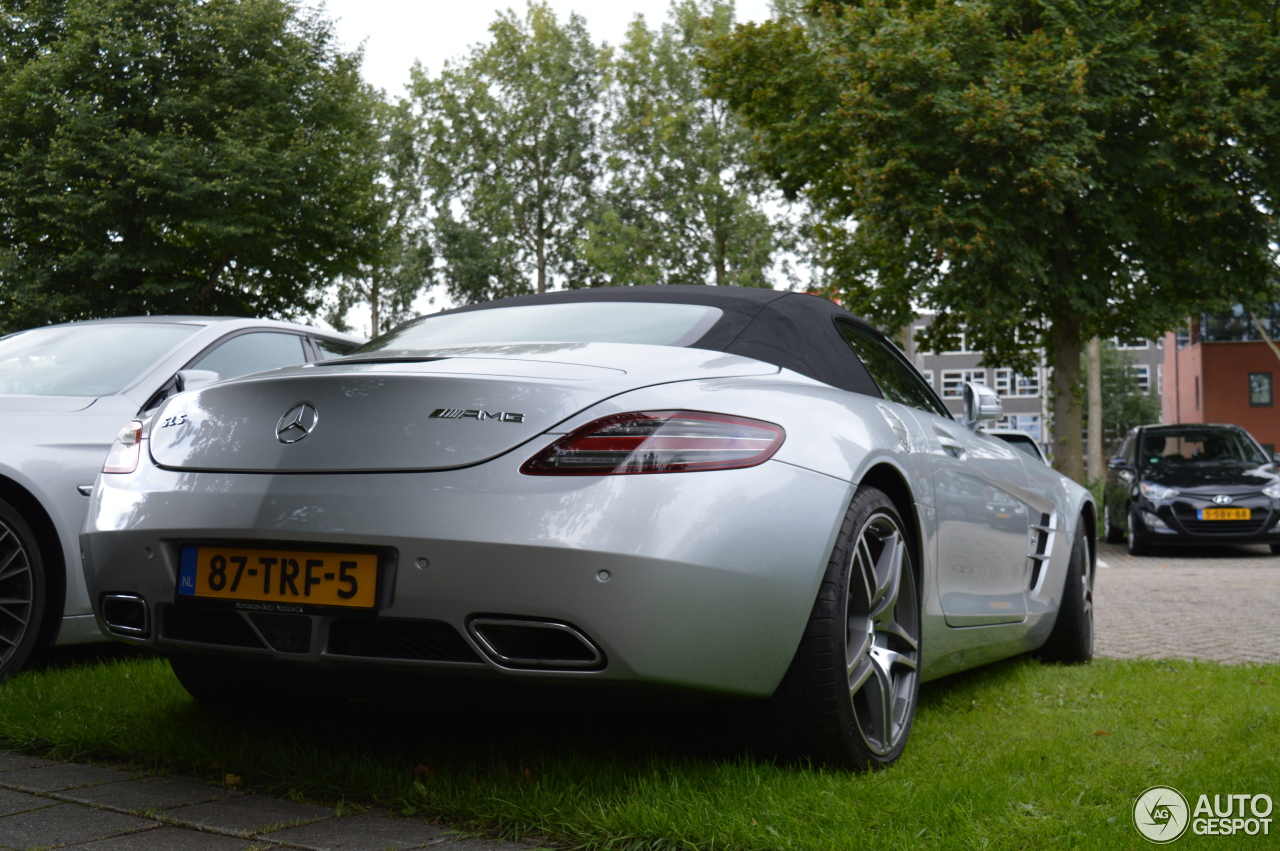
[398,32]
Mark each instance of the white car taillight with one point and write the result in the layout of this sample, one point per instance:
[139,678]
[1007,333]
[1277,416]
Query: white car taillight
[124,454]
[658,442]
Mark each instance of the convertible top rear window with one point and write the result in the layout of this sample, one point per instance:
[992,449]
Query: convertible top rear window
[651,323]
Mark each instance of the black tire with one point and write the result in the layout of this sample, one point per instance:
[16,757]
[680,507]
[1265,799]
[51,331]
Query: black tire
[22,590]
[1137,541]
[1115,535]
[1275,549]
[849,697]
[248,688]
[1071,640]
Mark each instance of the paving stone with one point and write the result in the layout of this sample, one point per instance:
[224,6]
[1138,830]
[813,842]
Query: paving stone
[64,824]
[171,839]
[360,833]
[151,793]
[11,761]
[55,777]
[19,802]
[1211,603]
[246,815]
[488,845]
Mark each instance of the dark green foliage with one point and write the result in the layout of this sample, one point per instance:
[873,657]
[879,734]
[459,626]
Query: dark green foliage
[1038,171]
[177,156]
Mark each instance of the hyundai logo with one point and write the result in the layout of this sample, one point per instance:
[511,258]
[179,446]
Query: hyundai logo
[297,422]
[1222,499]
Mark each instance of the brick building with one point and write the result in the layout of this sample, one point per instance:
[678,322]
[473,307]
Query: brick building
[1221,371]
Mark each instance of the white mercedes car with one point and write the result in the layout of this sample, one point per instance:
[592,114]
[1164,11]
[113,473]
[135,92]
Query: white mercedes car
[64,391]
[732,491]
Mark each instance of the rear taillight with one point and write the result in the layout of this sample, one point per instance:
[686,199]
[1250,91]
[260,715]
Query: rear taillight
[124,454]
[658,442]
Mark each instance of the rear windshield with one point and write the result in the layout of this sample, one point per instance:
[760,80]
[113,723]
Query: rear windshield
[1199,446]
[651,323]
[83,360]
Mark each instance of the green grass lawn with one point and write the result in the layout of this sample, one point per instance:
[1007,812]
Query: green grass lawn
[1015,755]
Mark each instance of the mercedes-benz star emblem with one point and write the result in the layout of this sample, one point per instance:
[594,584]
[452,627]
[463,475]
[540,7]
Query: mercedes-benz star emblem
[297,422]
[1222,499]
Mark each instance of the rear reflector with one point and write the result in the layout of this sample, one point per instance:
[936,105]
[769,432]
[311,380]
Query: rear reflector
[658,442]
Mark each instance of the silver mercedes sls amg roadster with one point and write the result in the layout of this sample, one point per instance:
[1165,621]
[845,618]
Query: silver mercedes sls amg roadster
[730,491]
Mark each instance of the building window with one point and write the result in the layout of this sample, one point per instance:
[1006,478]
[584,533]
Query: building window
[953,381]
[1260,394]
[1010,383]
[1027,385]
[1004,382]
[1142,374]
[1160,378]
[928,377]
[1138,343]
[915,339]
[963,347]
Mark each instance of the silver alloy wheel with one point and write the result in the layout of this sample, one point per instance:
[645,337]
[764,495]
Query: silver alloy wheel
[1086,580]
[17,592]
[882,635]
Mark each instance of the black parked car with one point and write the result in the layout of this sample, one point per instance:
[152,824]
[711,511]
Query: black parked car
[1192,484]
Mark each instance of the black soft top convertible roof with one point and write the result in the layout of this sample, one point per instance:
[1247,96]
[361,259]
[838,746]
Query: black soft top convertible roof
[792,330]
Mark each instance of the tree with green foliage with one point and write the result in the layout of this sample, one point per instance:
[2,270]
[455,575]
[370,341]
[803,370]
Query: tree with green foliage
[177,156]
[400,266]
[681,204]
[1040,171]
[511,156]
[1124,405]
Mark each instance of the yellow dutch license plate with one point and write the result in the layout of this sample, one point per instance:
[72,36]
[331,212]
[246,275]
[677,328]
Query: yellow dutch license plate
[1225,514]
[296,577]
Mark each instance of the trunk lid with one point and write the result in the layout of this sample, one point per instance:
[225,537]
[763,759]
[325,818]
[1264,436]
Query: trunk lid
[413,410]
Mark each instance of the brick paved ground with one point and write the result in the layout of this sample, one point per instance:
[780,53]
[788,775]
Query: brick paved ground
[1217,603]
[46,804]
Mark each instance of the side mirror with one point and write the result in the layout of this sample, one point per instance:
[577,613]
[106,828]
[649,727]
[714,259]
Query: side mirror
[981,404]
[190,379]
[1118,464]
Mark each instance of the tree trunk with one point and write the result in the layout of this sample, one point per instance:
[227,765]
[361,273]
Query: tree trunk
[1263,332]
[1064,356]
[721,251]
[373,305]
[1093,356]
[542,265]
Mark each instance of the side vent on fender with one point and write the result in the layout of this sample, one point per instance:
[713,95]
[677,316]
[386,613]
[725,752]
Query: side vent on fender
[1040,547]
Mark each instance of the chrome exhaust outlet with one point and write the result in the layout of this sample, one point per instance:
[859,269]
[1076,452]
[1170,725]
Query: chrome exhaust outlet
[126,614]
[529,644]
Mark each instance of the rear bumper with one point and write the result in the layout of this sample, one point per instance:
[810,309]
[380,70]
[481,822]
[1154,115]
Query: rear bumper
[696,580]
